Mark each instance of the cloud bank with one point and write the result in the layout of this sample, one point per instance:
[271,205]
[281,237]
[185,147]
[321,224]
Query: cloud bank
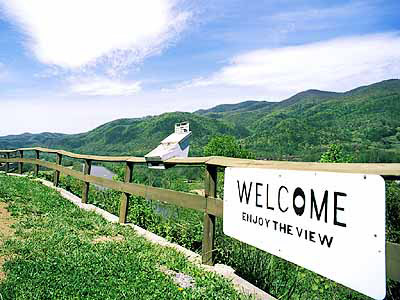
[76,34]
[339,64]
[100,86]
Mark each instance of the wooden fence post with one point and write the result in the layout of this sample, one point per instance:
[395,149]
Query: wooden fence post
[85,189]
[56,180]
[7,163]
[20,164]
[210,190]
[36,170]
[123,210]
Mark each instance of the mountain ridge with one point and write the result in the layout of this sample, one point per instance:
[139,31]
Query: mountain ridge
[364,119]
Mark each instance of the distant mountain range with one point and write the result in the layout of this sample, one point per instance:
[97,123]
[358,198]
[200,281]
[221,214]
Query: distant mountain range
[365,120]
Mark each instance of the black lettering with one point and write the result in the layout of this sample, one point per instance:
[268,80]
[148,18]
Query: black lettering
[299,231]
[323,207]
[260,221]
[279,198]
[312,239]
[268,207]
[257,194]
[275,223]
[243,216]
[325,239]
[299,210]
[282,227]
[244,189]
[289,229]
[336,208]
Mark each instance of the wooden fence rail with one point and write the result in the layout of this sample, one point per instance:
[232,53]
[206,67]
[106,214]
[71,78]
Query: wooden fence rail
[209,204]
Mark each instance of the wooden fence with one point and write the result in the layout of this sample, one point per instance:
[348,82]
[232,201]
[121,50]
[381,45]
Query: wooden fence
[209,204]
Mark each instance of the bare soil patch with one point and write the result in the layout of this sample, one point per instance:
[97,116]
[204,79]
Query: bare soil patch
[104,239]
[5,232]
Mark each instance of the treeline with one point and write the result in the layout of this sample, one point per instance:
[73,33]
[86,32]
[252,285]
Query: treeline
[365,121]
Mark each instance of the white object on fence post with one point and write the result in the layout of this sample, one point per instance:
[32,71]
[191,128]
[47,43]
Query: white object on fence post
[175,145]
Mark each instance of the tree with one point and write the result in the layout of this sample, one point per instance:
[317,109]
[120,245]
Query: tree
[228,146]
[334,154]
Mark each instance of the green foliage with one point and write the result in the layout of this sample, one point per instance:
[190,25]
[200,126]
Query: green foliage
[54,257]
[226,145]
[393,212]
[364,121]
[334,154]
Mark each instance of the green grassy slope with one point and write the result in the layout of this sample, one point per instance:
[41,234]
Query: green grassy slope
[53,255]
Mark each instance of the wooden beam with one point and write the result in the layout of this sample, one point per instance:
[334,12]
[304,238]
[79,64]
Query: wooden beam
[36,170]
[56,180]
[215,206]
[20,164]
[123,211]
[181,199]
[85,189]
[210,190]
[82,156]
[386,169]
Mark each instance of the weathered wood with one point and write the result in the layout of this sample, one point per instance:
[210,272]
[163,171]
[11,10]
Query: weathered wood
[123,211]
[181,199]
[210,190]
[85,188]
[215,206]
[187,160]
[20,164]
[393,261]
[36,169]
[90,157]
[56,172]
[387,169]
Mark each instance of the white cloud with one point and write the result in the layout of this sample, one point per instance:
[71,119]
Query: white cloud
[339,64]
[76,34]
[100,86]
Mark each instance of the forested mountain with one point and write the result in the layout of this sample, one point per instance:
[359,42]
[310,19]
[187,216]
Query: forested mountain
[366,121]
[130,136]
[28,139]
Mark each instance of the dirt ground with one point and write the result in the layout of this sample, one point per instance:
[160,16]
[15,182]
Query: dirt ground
[102,239]
[5,231]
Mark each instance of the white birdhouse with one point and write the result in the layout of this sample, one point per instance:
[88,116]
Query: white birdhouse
[175,145]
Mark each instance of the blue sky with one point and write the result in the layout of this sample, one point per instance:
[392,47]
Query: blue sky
[71,65]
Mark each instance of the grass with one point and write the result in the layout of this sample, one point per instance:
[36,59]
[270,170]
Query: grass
[52,255]
[274,275]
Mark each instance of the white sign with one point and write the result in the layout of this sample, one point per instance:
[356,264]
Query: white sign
[330,223]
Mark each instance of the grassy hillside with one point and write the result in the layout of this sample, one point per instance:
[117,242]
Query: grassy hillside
[62,252]
[365,120]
